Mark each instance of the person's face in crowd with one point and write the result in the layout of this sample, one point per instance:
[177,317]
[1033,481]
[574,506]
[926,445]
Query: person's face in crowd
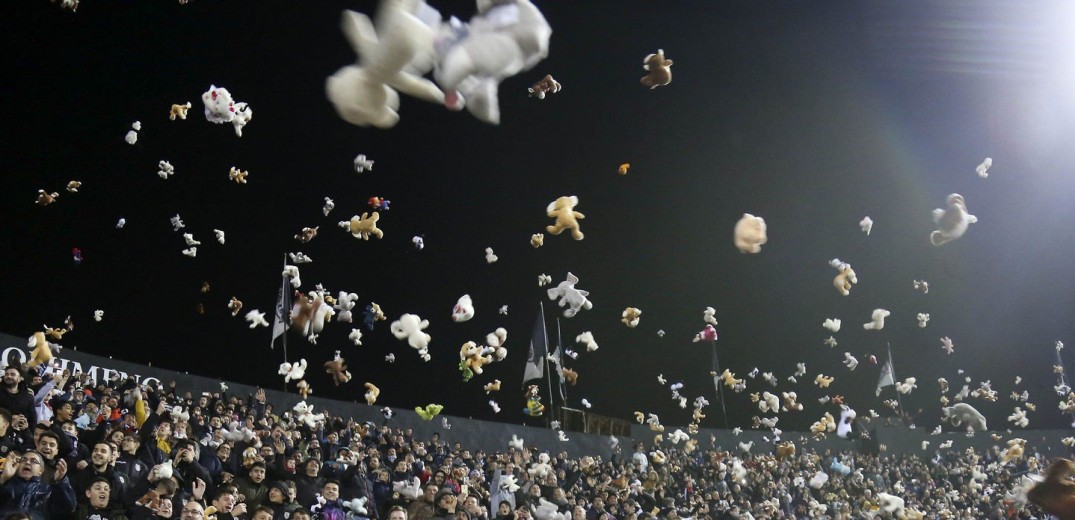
[129,444]
[98,494]
[102,454]
[524,514]
[438,478]
[164,510]
[330,491]
[70,429]
[192,509]
[12,377]
[257,475]
[430,493]
[48,447]
[578,512]
[164,430]
[275,496]
[35,380]
[535,490]
[262,515]
[505,509]
[447,501]
[225,502]
[267,452]
[31,465]
[300,515]
[598,503]
[65,412]
[397,515]
[333,438]
[312,468]
[401,466]
[471,505]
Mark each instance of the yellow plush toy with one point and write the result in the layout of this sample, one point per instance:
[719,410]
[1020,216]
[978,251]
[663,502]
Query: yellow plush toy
[846,278]
[537,240]
[372,393]
[823,381]
[563,210]
[237,175]
[41,354]
[471,360]
[363,227]
[179,111]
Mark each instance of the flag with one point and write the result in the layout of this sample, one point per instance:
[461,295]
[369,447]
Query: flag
[539,348]
[887,378]
[557,360]
[282,316]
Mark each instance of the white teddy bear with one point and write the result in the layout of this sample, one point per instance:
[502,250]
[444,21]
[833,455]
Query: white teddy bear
[586,338]
[494,342]
[570,297]
[541,468]
[409,327]
[304,413]
[293,371]
[463,309]
[345,301]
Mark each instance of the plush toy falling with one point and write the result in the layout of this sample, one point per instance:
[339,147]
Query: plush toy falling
[622,170]
[45,198]
[429,412]
[132,135]
[191,252]
[76,255]
[503,310]
[344,303]
[953,222]
[534,408]
[190,241]
[573,299]
[362,164]
[492,387]
[235,305]
[490,257]
[923,319]
[846,278]
[850,361]
[363,227]
[356,337]
[586,338]
[543,86]
[750,234]
[293,371]
[220,109]
[921,285]
[379,203]
[537,240]
[237,175]
[372,314]
[866,224]
[631,317]
[337,368]
[906,386]
[658,70]
[832,324]
[563,210]
[983,168]
[179,111]
[73,186]
[372,393]
[409,327]
[544,279]
[707,334]
[256,318]
[463,309]
[471,360]
[307,234]
[947,346]
[98,315]
[877,320]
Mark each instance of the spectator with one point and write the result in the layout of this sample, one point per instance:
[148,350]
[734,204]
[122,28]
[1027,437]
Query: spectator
[98,504]
[23,489]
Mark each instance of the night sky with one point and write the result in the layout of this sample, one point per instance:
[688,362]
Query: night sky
[809,114]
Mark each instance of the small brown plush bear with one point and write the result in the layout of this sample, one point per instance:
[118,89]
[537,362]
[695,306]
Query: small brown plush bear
[659,68]
[546,85]
[563,210]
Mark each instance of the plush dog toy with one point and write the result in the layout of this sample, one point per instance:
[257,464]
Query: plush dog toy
[234,305]
[363,226]
[750,234]
[563,210]
[951,223]
[304,389]
[545,85]
[571,376]
[494,342]
[45,198]
[877,320]
[179,111]
[409,327]
[42,350]
[659,70]
[73,186]
[570,297]
[372,393]
[845,278]
[961,414]
[586,338]
[471,360]
[310,313]
[492,387]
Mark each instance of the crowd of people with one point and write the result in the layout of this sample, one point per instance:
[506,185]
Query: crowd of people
[113,451]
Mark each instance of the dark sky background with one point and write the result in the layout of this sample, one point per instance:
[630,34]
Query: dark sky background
[809,114]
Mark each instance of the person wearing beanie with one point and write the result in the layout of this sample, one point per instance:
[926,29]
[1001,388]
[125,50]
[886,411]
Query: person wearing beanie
[444,504]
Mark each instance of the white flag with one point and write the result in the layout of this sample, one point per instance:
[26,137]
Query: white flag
[886,377]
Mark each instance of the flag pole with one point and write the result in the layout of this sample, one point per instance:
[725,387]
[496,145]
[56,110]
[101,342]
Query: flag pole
[560,349]
[899,402]
[545,365]
[716,383]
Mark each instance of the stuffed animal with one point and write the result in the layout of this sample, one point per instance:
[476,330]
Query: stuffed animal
[494,342]
[846,278]
[537,240]
[622,170]
[179,111]
[504,38]
[310,313]
[877,320]
[729,379]
[293,371]
[1018,418]
[304,414]
[658,70]
[823,381]
[178,414]
[220,108]
[534,408]
[563,210]
[492,387]
[237,175]
[791,403]
[361,164]
[408,489]
[337,368]
[45,198]
[540,468]
[345,301]
[73,186]
[41,353]
[372,392]
[545,510]
[409,327]
[429,412]
[785,449]
[362,227]
[750,234]
[372,314]
[906,386]
[822,426]
[961,414]
[463,309]
[307,234]
[1056,493]
[304,389]
[356,507]
[545,85]
[586,338]
[707,334]
[951,223]
[766,402]
[393,55]
[570,297]
[471,360]
[571,376]
[1014,450]
[630,317]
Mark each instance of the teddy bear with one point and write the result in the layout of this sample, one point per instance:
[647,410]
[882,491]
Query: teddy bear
[364,226]
[408,489]
[220,108]
[178,414]
[537,240]
[42,353]
[345,301]
[543,86]
[750,234]
[573,299]
[463,309]
[471,360]
[73,186]
[961,414]
[304,389]
[1056,493]
[310,313]
[586,338]
[658,70]
[307,234]
[823,381]
[492,387]
[293,371]
[784,450]
[494,342]
[45,198]
[729,379]
[951,223]
[563,210]
[877,320]
[372,393]
[1014,450]
[541,468]
[392,55]
[237,175]
[337,368]
[504,38]
[545,510]
[372,314]
[235,305]
[571,376]
[179,111]
[845,278]
[409,327]
[304,414]
[430,411]
[631,317]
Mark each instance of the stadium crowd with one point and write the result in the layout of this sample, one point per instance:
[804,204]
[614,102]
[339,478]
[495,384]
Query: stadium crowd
[118,451]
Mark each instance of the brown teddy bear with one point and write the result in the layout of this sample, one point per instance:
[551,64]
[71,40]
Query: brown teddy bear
[784,450]
[337,368]
[563,210]
[1056,494]
[571,376]
[471,360]
[307,234]
[546,85]
[363,226]
[659,70]
[42,351]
